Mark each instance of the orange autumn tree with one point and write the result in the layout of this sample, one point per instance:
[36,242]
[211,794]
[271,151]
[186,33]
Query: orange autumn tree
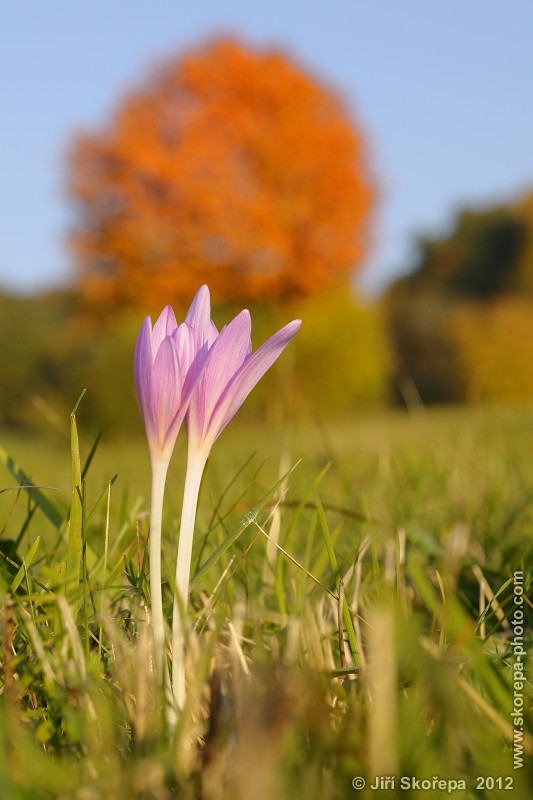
[230,166]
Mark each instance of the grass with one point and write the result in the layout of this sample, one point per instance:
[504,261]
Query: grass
[360,624]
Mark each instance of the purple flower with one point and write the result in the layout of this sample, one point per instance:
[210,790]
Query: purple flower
[191,372]
[226,371]
[168,363]
[229,371]
[165,376]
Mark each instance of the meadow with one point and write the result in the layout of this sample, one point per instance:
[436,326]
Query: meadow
[352,612]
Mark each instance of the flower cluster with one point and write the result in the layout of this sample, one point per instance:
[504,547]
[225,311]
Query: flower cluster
[193,374]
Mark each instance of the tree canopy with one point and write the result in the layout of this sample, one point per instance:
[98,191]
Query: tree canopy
[480,258]
[462,321]
[229,165]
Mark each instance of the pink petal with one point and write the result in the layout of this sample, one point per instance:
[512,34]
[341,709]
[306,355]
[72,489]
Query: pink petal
[184,342]
[249,374]
[191,363]
[164,326]
[199,315]
[194,421]
[143,370]
[228,353]
[213,333]
[165,398]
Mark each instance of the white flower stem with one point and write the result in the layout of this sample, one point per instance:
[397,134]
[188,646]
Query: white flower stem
[159,476]
[193,478]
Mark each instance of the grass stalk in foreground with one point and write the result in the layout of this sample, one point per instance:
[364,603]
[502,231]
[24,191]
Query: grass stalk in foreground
[268,702]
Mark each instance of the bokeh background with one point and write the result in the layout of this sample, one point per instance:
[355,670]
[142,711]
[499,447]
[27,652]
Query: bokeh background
[364,166]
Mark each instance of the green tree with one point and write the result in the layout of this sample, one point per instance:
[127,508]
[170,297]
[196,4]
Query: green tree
[480,258]
[437,314]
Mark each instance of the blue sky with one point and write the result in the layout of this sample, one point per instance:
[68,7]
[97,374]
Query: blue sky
[442,89]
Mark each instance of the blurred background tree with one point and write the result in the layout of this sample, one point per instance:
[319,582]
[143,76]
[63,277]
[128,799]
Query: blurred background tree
[235,167]
[461,323]
[459,328]
[230,166]
[480,258]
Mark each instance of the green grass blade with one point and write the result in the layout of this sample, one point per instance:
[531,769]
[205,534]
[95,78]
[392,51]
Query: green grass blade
[25,564]
[90,457]
[51,512]
[327,536]
[245,522]
[346,613]
[101,499]
[75,541]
